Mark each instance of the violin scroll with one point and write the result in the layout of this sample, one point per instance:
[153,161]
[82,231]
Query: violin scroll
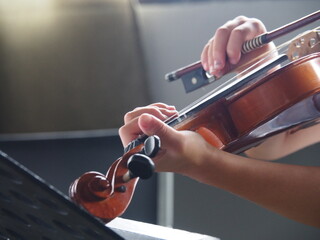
[108,196]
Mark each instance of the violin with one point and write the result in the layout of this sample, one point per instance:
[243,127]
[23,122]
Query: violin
[233,117]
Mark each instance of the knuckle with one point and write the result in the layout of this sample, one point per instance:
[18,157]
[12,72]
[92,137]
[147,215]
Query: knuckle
[153,110]
[128,116]
[121,131]
[208,46]
[238,31]
[136,109]
[203,53]
[239,34]
[241,19]
[223,30]
[257,24]
[156,104]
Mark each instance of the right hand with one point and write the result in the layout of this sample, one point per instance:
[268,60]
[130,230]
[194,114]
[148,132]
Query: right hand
[222,53]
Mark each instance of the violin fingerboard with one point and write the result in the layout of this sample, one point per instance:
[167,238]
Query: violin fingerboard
[133,144]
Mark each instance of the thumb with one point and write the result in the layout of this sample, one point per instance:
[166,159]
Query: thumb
[151,125]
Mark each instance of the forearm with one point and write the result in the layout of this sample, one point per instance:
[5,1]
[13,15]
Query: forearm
[290,190]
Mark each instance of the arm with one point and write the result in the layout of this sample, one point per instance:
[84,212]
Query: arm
[290,190]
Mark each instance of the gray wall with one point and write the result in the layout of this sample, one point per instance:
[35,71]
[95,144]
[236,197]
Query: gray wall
[68,65]
[173,36]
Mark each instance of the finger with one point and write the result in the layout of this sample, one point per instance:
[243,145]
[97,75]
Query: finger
[163,105]
[217,50]
[204,57]
[246,31]
[129,132]
[159,112]
[234,47]
[153,126]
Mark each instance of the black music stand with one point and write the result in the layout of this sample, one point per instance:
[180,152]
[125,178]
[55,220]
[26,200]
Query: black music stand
[30,208]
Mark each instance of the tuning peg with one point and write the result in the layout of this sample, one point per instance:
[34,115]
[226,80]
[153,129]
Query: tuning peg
[151,146]
[139,165]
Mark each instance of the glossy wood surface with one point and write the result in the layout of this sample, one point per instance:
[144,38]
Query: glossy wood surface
[278,91]
[105,196]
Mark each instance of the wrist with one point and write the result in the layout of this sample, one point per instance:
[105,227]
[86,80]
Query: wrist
[205,165]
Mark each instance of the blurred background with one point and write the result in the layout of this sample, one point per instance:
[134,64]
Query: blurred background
[70,70]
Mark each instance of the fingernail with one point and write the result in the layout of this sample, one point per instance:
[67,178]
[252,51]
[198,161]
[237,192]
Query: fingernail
[217,64]
[211,70]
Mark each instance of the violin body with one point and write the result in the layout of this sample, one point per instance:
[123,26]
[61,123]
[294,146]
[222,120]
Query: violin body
[229,122]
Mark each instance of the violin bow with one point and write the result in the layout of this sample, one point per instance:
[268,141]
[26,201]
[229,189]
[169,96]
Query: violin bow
[252,44]
[265,38]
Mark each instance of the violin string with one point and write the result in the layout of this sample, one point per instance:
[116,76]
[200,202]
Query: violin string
[280,49]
